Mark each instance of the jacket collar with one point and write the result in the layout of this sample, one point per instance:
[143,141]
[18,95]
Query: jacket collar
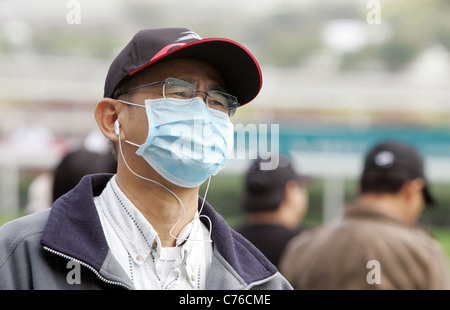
[249,263]
[74,229]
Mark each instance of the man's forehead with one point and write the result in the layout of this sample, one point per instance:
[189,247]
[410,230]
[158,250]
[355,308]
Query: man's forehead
[190,70]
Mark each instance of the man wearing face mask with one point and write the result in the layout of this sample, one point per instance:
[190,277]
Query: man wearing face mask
[168,99]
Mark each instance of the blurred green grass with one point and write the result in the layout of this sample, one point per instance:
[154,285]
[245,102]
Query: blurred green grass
[7,218]
[443,237]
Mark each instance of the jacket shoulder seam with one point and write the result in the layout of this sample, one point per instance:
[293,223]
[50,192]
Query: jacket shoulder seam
[16,245]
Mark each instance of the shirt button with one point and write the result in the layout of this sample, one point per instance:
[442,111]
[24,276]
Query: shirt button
[192,278]
[139,258]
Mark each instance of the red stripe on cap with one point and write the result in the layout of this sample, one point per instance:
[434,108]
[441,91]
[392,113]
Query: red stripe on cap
[163,52]
[165,49]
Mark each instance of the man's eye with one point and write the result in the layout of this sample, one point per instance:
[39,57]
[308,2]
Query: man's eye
[216,103]
[179,94]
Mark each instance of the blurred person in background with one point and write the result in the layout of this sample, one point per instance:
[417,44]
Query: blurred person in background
[92,157]
[146,227]
[377,244]
[274,203]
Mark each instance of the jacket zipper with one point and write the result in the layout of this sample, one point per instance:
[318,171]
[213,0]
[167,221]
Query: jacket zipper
[88,267]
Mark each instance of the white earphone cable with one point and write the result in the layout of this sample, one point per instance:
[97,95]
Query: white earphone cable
[178,240]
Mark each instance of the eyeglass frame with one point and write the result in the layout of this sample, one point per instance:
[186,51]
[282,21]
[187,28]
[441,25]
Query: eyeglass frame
[231,110]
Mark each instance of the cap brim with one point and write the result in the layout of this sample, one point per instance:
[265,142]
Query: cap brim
[238,67]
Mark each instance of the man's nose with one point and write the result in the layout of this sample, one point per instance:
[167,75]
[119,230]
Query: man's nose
[202,94]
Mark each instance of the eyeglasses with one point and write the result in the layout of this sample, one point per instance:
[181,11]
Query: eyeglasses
[178,89]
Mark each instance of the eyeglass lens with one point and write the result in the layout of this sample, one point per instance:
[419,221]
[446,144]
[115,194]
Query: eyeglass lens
[179,89]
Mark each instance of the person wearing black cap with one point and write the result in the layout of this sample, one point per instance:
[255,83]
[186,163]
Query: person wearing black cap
[377,244]
[274,203]
[168,99]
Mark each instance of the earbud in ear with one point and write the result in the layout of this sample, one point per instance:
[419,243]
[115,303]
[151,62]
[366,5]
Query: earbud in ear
[117,127]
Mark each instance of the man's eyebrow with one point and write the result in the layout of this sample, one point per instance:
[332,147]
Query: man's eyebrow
[218,88]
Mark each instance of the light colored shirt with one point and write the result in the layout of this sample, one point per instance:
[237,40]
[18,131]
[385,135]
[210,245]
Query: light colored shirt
[135,244]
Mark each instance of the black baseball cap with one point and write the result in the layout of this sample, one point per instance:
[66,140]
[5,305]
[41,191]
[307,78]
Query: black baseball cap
[236,64]
[393,159]
[264,189]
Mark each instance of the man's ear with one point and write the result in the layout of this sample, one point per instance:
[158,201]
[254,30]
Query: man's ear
[106,114]
[414,187]
[289,190]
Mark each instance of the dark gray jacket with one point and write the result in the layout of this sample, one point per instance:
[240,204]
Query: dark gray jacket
[38,251]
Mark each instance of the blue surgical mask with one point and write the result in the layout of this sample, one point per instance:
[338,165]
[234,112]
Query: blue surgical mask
[187,142]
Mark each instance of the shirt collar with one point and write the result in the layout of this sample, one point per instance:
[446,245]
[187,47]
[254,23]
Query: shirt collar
[138,235]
